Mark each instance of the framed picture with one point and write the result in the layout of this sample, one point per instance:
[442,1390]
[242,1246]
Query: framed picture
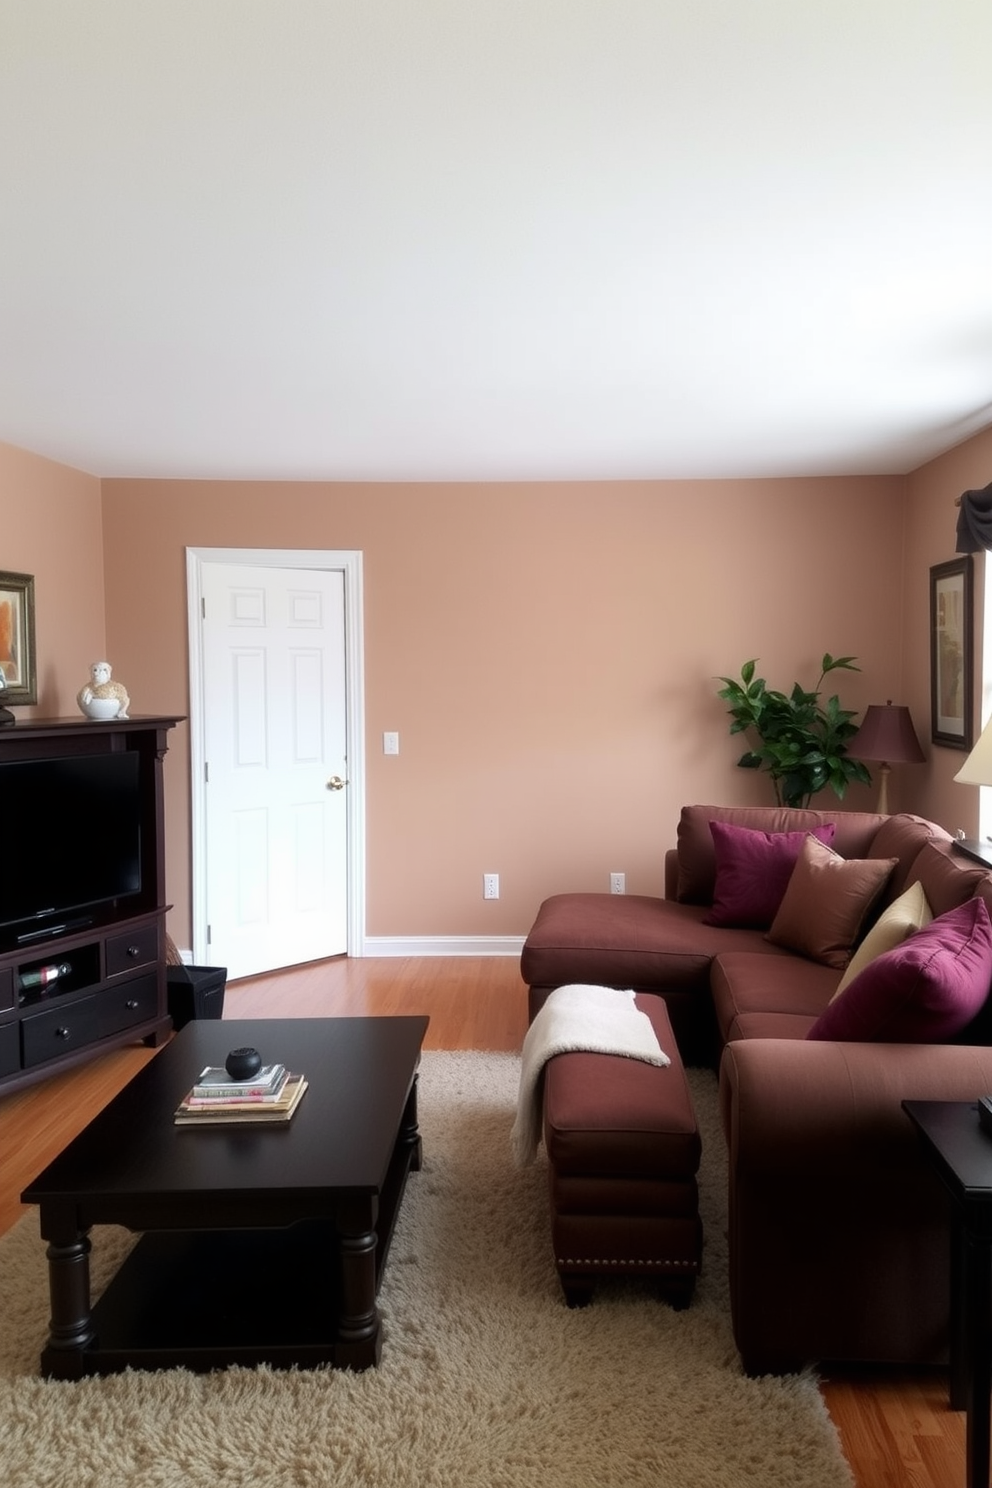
[17,639]
[951,653]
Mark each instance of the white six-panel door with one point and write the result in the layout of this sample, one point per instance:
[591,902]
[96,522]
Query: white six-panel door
[275,791]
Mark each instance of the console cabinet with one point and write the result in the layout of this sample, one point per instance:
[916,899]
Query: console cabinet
[67,996]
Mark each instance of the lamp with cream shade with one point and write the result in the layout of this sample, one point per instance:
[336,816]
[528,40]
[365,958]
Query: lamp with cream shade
[887,737]
[977,770]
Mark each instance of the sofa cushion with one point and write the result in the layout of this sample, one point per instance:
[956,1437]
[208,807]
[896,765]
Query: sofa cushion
[771,1025]
[628,940]
[827,902]
[753,870]
[908,913]
[775,990]
[924,991]
[855,832]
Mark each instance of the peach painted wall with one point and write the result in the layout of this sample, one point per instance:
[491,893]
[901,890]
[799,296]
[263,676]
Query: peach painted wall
[52,528]
[546,652]
[930,538]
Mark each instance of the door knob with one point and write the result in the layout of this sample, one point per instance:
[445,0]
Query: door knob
[336,783]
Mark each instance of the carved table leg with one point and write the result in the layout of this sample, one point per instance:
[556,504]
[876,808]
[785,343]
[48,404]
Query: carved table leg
[359,1334]
[409,1132]
[71,1327]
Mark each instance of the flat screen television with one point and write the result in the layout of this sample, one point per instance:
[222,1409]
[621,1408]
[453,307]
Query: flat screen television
[71,830]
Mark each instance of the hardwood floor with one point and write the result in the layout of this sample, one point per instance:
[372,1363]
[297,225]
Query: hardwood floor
[896,1428]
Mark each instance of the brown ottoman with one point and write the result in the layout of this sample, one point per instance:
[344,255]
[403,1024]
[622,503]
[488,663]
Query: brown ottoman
[624,1152]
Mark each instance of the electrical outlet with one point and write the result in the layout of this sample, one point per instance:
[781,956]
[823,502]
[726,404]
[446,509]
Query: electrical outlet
[490,886]
[618,883]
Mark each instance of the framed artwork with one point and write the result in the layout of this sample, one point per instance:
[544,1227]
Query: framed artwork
[951,653]
[17,639]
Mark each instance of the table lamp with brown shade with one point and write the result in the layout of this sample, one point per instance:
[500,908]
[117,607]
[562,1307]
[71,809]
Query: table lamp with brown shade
[886,737]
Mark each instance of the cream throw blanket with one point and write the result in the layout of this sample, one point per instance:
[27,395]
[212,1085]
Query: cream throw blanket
[596,1020]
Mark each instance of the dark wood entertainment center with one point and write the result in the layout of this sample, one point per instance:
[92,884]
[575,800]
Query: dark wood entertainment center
[113,990]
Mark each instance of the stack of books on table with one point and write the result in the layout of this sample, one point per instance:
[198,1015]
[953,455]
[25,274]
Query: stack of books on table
[271,1095]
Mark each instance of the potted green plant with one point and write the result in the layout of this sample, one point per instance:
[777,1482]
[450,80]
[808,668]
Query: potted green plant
[803,741]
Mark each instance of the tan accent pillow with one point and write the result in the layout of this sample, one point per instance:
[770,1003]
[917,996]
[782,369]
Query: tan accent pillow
[826,903]
[904,915]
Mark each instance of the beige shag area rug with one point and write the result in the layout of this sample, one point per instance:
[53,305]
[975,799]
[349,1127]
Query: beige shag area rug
[487,1379]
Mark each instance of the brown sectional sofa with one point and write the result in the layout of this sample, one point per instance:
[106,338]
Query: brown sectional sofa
[839,1231]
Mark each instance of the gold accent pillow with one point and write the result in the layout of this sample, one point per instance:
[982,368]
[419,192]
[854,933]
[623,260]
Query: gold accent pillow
[908,913]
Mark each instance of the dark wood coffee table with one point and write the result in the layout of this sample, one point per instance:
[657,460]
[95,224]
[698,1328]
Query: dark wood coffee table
[259,1244]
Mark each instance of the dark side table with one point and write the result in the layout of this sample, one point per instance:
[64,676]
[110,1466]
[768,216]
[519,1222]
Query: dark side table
[961,1153]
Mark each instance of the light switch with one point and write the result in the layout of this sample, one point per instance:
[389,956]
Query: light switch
[391,743]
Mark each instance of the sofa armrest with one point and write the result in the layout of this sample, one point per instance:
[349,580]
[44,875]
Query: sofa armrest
[672,873]
[838,1225]
[789,1103]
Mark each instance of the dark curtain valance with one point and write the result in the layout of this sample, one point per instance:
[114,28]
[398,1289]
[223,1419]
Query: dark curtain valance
[975,521]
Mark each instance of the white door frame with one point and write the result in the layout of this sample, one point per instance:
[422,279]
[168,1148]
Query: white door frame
[349,564]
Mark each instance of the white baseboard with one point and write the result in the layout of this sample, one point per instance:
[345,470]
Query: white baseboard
[442,945]
[426,945]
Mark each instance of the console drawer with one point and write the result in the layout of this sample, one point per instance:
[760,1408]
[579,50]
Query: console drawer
[135,948]
[58,1031]
[126,1006]
[7,998]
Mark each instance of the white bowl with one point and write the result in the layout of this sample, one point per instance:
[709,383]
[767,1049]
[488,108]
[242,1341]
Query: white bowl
[98,708]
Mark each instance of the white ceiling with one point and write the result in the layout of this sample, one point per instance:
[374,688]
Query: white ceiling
[494,239]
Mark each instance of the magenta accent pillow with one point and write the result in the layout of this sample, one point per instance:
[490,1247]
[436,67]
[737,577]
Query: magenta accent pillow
[924,991]
[753,871]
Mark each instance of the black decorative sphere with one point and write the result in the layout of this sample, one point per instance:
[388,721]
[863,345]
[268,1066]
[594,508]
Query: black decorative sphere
[241,1064]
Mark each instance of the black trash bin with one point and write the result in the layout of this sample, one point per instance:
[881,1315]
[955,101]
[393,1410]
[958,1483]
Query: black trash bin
[195,992]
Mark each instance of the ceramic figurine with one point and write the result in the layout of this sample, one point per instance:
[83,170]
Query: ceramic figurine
[101,698]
